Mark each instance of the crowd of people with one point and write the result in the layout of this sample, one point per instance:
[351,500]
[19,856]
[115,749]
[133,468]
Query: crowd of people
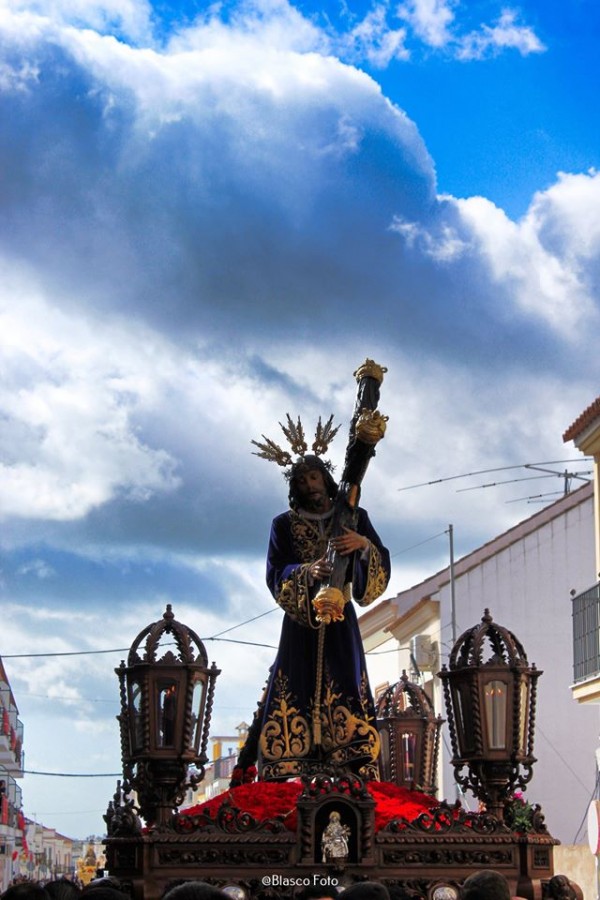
[482,885]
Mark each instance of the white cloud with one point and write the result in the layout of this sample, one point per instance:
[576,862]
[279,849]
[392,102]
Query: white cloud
[567,217]
[131,18]
[374,40]
[544,265]
[429,19]
[506,34]
[198,237]
[276,24]
[69,398]
[441,242]
[543,280]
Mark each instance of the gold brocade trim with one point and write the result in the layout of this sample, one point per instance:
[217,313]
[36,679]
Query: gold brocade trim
[287,733]
[377,578]
[310,542]
[346,735]
[286,739]
[293,596]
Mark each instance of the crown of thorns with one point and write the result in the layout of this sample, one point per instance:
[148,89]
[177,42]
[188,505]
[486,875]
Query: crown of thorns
[294,433]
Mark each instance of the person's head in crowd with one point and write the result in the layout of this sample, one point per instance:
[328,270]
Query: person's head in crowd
[108,888]
[63,889]
[26,890]
[317,892]
[560,888]
[194,890]
[488,885]
[366,890]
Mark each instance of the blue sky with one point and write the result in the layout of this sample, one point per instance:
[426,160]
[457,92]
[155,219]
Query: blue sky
[210,216]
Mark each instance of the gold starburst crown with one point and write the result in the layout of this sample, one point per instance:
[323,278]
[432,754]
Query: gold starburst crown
[294,434]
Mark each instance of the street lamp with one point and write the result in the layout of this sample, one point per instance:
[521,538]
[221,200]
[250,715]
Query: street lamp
[166,706]
[490,693]
[409,732]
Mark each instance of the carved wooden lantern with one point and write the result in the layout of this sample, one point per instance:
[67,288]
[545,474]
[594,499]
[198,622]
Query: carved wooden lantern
[409,732]
[490,692]
[166,704]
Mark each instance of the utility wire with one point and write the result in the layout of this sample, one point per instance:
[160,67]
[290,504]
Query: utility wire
[240,624]
[564,761]
[549,462]
[597,782]
[111,774]
[420,544]
[74,774]
[214,637]
[126,649]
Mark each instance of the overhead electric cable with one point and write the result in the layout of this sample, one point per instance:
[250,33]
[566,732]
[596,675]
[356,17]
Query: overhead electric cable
[249,643]
[126,649]
[585,815]
[240,624]
[74,774]
[550,462]
[123,649]
[383,652]
[412,547]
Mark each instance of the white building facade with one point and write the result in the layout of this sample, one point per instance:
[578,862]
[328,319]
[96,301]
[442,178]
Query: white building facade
[526,578]
[11,768]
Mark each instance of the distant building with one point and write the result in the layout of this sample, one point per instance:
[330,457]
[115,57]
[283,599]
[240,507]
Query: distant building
[526,577]
[49,854]
[11,768]
[225,749]
[26,847]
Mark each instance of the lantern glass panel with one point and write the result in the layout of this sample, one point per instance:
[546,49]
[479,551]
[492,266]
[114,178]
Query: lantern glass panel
[408,743]
[384,754]
[523,715]
[198,699]
[136,731]
[495,714]
[463,709]
[167,712]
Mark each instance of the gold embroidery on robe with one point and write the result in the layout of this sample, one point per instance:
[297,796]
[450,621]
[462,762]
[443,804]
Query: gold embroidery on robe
[377,578]
[286,734]
[293,596]
[345,735]
[310,544]
[310,541]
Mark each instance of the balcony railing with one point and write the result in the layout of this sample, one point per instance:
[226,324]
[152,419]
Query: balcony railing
[586,634]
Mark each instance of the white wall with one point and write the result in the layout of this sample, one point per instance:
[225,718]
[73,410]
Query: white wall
[527,589]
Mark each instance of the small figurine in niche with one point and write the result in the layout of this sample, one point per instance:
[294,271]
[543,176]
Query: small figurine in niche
[334,841]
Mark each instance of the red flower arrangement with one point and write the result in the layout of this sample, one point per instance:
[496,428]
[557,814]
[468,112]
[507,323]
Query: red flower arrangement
[268,799]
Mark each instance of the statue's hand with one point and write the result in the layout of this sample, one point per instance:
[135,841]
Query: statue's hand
[350,541]
[320,569]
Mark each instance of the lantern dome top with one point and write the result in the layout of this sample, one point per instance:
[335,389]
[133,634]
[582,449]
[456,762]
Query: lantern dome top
[404,698]
[488,644]
[189,648]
